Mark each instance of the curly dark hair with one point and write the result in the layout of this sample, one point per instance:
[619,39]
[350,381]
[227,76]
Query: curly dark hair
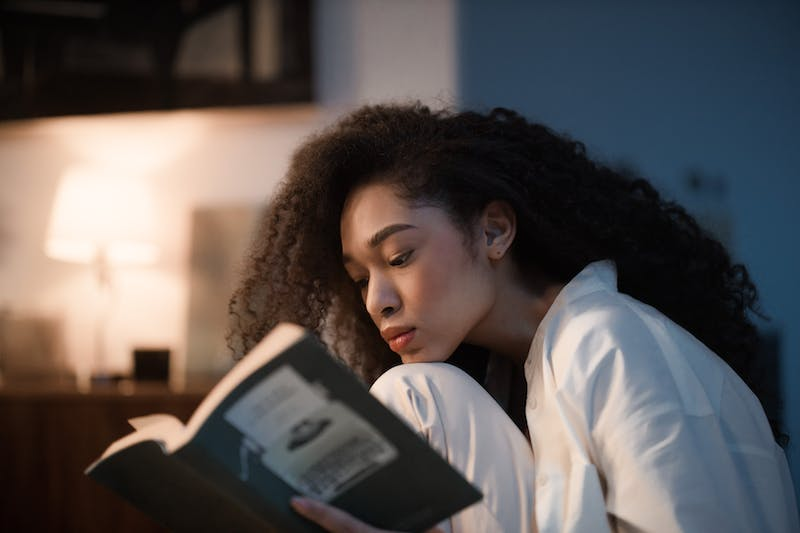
[570,211]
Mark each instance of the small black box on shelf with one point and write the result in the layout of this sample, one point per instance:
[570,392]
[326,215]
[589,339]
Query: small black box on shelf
[151,364]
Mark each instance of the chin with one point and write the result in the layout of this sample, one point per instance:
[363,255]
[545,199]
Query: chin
[421,357]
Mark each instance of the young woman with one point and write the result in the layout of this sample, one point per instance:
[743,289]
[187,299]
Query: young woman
[608,326]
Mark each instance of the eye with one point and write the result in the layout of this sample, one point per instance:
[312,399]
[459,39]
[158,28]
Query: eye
[401,259]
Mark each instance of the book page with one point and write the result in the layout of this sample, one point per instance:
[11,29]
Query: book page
[318,446]
[161,428]
[168,422]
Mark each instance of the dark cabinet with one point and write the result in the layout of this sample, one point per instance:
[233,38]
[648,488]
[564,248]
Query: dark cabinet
[48,438]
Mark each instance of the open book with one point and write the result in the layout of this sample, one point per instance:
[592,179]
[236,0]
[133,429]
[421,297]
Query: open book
[287,419]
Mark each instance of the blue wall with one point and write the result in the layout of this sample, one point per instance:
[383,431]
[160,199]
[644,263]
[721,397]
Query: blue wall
[667,88]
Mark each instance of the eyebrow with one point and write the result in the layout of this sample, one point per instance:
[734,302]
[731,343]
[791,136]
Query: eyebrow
[381,235]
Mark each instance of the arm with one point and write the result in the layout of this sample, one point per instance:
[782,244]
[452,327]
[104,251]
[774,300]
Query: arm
[662,426]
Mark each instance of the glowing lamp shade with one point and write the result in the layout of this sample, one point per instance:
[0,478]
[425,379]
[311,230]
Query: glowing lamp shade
[102,218]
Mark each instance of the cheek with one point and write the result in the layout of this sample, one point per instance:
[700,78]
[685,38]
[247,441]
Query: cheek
[449,287]
[432,285]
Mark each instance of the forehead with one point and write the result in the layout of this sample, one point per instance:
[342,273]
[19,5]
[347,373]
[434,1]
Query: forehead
[370,207]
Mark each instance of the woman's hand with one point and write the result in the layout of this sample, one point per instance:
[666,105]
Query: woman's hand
[333,519]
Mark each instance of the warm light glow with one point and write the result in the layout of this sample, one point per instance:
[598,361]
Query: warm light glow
[96,214]
[137,143]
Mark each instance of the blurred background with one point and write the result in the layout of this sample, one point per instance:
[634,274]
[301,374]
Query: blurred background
[180,118]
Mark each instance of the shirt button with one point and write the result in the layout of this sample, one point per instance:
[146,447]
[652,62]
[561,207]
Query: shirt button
[542,480]
[532,403]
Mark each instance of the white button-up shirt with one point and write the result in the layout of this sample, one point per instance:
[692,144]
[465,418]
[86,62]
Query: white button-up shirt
[637,426]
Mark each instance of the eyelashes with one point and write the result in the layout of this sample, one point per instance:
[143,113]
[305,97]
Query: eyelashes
[401,259]
[398,261]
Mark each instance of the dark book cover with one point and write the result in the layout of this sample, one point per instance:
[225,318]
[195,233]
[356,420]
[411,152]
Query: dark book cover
[298,423]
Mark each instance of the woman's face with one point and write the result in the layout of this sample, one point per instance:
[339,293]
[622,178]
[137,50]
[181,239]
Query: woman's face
[424,288]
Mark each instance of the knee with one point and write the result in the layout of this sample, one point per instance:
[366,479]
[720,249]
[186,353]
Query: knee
[421,393]
[402,382]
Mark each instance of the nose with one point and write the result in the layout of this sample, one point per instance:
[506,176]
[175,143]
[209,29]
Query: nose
[382,299]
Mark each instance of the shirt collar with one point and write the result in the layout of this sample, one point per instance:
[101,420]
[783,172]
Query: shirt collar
[596,276]
[600,275]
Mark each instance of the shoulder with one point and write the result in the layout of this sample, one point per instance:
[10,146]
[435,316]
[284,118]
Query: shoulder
[619,347]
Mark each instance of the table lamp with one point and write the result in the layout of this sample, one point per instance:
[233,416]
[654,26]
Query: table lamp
[104,221]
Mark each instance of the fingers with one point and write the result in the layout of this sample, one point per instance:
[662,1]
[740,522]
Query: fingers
[330,518]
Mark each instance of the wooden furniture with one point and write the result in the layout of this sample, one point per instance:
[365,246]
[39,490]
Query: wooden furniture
[48,438]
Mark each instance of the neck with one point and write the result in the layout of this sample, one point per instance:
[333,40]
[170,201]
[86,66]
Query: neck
[510,326]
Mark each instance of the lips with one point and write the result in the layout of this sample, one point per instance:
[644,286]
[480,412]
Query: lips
[398,337]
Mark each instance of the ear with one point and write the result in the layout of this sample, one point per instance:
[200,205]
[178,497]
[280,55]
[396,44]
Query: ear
[499,227]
